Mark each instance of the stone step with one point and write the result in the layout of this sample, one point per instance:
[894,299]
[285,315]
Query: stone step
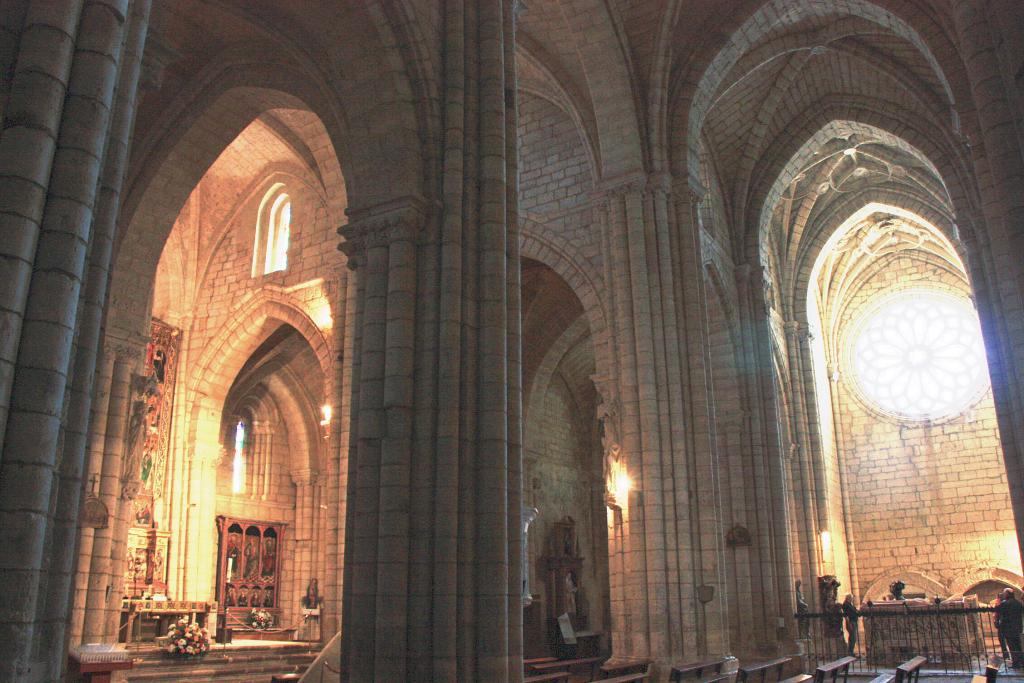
[254,664]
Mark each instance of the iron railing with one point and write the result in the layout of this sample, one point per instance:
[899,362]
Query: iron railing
[954,639]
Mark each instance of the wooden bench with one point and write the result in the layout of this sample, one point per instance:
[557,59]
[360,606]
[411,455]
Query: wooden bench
[910,671]
[799,678]
[553,677]
[624,667]
[883,678]
[567,665]
[833,670]
[631,677]
[527,663]
[698,670]
[763,668]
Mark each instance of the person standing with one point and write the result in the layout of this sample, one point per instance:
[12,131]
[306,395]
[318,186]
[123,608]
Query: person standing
[1002,639]
[1009,624]
[852,618]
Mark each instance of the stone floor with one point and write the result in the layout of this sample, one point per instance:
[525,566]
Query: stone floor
[242,660]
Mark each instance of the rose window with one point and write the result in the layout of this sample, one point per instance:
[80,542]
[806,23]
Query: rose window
[920,355]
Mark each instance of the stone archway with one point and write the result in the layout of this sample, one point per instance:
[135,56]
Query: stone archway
[878,588]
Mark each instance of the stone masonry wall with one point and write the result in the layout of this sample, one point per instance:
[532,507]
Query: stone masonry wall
[929,498]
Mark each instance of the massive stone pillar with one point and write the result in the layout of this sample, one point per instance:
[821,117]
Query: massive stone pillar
[104,563]
[28,142]
[432,573]
[47,259]
[666,541]
[766,449]
[87,534]
[336,496]
[63,546]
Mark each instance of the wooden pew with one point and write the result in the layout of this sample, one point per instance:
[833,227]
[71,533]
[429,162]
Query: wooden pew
[589,663]
[707,670]
[643,674]
[527,663]
[623,667]
[553,677]
[833,670]
[910,671]
[748,671]
[763,668]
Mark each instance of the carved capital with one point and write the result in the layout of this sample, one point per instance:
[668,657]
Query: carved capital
[401,220]
[130,488]
[664,184]
[621,186]
[305,477]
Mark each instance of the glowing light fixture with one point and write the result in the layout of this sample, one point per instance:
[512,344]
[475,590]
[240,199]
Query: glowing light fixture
[826,542]
[618,485]
[238,464]
[325,419]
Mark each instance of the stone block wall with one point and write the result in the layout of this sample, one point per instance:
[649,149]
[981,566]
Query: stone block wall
[928,500]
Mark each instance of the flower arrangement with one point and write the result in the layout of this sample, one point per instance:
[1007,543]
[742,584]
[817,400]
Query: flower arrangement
[188,639]
[261,619]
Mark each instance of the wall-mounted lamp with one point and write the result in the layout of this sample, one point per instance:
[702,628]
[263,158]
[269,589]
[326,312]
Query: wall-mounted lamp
[325,420]
[618,486]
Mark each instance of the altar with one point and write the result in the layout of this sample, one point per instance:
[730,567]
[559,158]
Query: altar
[149,619]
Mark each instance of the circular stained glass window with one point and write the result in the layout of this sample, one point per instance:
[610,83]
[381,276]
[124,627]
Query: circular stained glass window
[920,355]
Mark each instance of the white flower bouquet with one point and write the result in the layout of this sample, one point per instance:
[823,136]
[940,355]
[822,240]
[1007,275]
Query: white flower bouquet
[261,619]
[187,639]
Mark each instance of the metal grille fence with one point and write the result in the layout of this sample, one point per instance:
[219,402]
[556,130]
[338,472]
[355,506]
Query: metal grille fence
[954,639]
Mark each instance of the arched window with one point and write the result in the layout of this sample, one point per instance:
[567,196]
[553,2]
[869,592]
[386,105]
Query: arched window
[238,463]
[919,355]
[273,229]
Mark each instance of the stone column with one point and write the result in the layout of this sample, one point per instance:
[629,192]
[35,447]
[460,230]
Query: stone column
[45,312]
[302,535]
[666,564]
[337,459]
[91,485]
[103,564]
[807,453]
[27,145]
[999,161]
[431,578]
[200,535]
[761,398]
[63,552]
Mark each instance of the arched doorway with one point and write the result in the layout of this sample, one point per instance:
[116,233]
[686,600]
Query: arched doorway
[567,554]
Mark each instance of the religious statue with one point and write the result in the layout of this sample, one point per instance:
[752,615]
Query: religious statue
[141,422]
[896,588]
[158,566]
[269,553]
[608,416]
[243,597]
[234,552]
[252,557]
[828,589]
[312,599]
[232,597]
[801,608]
[571,589]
